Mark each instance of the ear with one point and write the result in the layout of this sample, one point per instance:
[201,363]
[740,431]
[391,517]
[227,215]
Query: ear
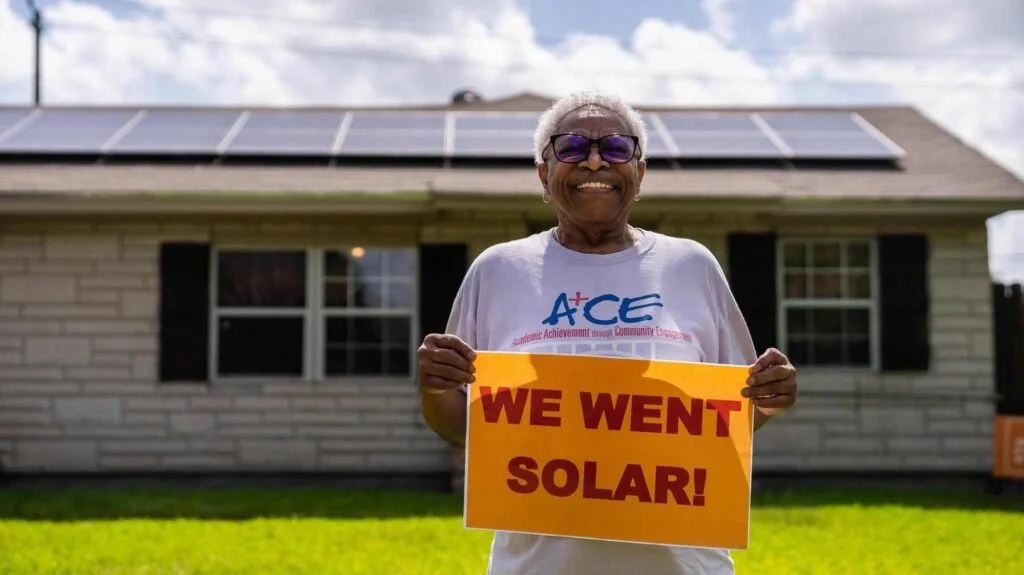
[641,169]
[542,173]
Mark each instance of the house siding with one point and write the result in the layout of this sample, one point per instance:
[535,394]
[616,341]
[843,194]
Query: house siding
[78,363]
[79,346]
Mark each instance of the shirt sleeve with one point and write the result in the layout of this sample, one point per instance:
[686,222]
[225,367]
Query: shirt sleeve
[462,321]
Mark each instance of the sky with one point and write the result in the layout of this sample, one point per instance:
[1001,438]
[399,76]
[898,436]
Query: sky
[960,63]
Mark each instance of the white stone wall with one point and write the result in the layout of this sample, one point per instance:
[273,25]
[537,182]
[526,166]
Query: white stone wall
[78,390]
[78,356]
[859,420]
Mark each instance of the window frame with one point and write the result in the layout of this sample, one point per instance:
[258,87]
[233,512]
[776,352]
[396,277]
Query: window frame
[314,314]
[872,304]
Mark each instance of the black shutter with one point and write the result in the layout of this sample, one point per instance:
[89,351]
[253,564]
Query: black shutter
[752,280]
[903,281]
[184,311]
[442,268]
[1008,325]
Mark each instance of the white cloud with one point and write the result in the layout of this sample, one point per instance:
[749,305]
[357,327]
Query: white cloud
[955,67]
[721,18]
[366,51]
[937,55]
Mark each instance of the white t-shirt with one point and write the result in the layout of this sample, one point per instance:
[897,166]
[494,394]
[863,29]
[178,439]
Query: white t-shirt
[665,298]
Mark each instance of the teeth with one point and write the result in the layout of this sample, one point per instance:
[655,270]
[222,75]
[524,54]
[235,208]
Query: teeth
[593,185]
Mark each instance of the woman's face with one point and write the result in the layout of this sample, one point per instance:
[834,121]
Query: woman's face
[592,194]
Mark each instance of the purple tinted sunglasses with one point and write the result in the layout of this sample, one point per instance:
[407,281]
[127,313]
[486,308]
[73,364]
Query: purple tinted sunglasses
[614,148]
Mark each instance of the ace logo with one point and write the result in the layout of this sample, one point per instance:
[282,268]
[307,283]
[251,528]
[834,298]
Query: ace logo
[604,309]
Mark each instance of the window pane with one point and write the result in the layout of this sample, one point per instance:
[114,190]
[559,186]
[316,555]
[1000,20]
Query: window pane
[397,362]
[795,255]
[368,293]
[827,286]
[261,279]
[368,346]
[857,323]
[367,330]
[858,352]
[858,255]
[336,293]
[858,285]
[826,254]
[796,285]
[796,322]
[401,263]
[260,346]
[827,351]
[336,263]
[397,331]
[827,322]
[371,264]
[797,351]
[367,360]
[399,295]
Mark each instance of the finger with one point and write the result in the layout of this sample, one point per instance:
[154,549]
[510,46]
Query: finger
[781,400]
[774,373]
[450,341]
[450,357]
[447,372]
[768,389]
[769,358]
[435,382]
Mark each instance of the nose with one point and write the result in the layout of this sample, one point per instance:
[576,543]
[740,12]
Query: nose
[594,160]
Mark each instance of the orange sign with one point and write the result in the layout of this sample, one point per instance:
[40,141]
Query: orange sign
[1009,456]
[606,448]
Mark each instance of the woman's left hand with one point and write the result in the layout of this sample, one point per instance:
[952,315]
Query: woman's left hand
[772,383]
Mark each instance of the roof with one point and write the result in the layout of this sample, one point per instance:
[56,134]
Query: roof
[938,168]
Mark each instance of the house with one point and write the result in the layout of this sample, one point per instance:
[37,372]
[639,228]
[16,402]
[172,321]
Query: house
[220,290]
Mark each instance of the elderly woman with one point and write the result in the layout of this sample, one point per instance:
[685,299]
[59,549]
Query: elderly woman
[589,150]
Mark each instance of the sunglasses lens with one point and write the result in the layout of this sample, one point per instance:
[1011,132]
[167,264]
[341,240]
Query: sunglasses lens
[571,148]
[617,149]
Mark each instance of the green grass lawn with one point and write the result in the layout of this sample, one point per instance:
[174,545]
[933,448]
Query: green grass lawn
[325,531]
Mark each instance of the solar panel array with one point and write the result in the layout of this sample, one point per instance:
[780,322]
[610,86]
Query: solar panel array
[420,134]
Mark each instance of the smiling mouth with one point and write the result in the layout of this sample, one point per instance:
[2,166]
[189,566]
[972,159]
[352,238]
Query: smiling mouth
[595,187]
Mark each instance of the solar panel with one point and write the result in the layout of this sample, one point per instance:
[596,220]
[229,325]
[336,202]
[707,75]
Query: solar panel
[393,143]
[397,121]
[10,117]
[178,132]
[285,142]
[708,122]
[165,119]
[510,145]
[811,122]
[307,133]
[68,131]
[656,146]
[714,145]
[293,120]
[496,121]
[836,145]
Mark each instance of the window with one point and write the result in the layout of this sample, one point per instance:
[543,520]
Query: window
[313,313]
[827,312]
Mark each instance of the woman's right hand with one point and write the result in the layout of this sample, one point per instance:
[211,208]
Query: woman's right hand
[445,363]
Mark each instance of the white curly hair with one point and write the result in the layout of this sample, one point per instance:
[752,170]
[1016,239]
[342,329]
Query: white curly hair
[548,122]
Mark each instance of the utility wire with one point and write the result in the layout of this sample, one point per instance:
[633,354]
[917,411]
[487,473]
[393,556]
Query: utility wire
[382,55]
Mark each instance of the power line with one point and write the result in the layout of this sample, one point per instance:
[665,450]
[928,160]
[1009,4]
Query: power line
[381,55]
